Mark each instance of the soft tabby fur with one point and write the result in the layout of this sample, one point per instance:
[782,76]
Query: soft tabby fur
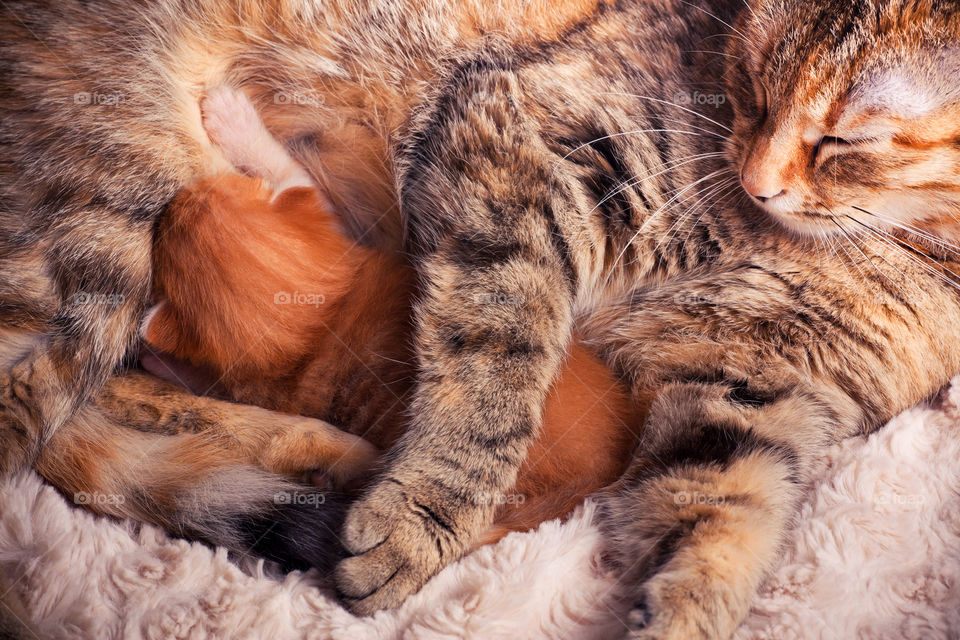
[539,154]
[335,347]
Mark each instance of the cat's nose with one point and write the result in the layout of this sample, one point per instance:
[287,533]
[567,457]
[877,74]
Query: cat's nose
[761,187]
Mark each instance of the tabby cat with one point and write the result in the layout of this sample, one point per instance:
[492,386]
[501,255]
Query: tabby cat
[769,258]
[264,301]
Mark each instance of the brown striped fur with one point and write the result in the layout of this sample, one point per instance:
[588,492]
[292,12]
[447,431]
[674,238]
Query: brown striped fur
[567,163]
[335,346]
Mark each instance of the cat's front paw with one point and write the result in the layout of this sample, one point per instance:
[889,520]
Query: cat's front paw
[683,605]
[399,537]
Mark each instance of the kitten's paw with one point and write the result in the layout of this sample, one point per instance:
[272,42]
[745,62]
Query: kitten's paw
[233,124]
[398,541]
[681,605]
[337,458]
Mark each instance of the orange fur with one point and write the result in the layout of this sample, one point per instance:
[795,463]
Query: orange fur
[225,250]
[232,306]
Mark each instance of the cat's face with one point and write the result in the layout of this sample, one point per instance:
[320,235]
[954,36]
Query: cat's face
[848,112]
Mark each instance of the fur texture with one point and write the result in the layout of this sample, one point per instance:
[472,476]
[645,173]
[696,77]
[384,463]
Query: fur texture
[873,555]
[539,154]
[260,289]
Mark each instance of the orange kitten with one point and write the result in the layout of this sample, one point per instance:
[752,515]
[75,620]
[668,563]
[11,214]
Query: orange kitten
[260,288]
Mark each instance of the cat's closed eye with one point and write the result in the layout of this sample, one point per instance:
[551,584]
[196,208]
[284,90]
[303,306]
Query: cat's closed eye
[847,127]
[829,145]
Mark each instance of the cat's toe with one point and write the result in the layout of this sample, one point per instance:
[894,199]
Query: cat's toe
[638,616]
[681,605]
[398,542]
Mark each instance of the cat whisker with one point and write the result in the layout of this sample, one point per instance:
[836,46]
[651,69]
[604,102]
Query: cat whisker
[867,258]
[732,28]
[383,357]
[654,216]
[665,207]
[673,191]
[675,164]
[939,241]
[628,133]
[701,195]
[845,235]
[830,242]
[671,104]
[726,188]
[925,267]
[817,240]
[698,128]
[878,238]
[746,3]
[912,254]
[719,53]
[706,202]
[914,257]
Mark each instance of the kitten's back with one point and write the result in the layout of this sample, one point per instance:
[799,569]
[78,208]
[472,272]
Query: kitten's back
[243,278]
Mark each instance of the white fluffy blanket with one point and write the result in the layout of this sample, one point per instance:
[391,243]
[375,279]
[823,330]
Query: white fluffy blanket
[876,554]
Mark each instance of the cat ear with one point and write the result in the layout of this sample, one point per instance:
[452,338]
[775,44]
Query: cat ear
[159,329]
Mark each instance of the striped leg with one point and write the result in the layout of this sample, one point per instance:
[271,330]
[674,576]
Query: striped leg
[698,519]
[77,328]
[493,321]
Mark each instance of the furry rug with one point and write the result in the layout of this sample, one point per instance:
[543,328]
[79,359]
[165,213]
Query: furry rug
[876,555]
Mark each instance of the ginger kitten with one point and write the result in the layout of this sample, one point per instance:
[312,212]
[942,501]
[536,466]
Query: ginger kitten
[260,289]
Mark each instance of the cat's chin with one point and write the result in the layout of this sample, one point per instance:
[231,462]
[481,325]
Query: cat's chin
[805,223]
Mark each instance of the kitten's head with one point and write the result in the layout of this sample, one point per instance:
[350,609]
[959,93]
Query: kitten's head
[849,110]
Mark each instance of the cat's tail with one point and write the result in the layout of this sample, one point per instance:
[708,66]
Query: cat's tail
[194,485]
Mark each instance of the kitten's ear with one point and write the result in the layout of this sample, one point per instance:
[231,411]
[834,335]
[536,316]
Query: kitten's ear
[160,330]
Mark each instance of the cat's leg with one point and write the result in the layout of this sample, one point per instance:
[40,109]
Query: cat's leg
[234,126]
[492,323]
[701,515]
[277,442]
[203,468]
[744,402]
[83,176]
[65,336]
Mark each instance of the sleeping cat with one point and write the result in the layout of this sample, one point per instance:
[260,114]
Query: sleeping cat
[767,254]
[277,308]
